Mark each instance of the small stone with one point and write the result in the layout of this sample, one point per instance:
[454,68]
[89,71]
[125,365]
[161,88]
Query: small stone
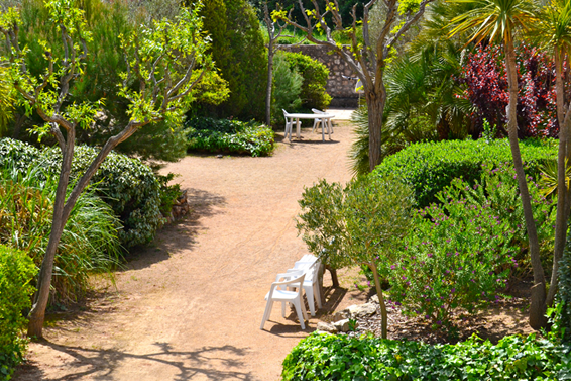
[342,325]
[374,299]
[340,315]
[219,156]
[327,327]
[362,310]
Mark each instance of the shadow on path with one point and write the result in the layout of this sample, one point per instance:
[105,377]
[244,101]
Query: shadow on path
[101,364]
[202,204]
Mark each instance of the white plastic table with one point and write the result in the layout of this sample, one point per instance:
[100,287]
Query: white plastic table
[324,117]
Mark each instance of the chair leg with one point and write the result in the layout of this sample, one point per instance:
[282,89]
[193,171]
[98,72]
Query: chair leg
[315,123]
[317,294]
[267,311]
[310,300]
[300,309]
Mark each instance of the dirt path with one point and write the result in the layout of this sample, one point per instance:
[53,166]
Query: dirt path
[189,308]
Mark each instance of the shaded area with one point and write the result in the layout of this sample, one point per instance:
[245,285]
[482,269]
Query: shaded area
[203,204]
[101,364]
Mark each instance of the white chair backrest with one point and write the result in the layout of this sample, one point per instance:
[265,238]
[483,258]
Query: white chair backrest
[318,111]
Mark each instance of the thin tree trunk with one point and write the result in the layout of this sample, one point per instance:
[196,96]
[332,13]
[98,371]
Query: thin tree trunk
[61,212]
[269,85]
[373,268]
[375,107]
[562,205]
[537,309]
[36,315]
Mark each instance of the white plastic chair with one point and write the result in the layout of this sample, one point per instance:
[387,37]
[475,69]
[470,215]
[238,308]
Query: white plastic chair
[279,293]
[289,124]
[323,122]
[311,282]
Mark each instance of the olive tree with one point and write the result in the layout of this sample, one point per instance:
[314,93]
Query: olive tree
[362,224]
[368,52]
[165,62]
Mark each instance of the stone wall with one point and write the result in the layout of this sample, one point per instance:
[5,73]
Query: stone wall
[341,90]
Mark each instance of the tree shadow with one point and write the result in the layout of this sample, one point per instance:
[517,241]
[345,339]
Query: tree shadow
[180,235]
[101,364]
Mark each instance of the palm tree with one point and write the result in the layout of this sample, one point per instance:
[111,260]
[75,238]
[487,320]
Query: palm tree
[498,20]
[552,28]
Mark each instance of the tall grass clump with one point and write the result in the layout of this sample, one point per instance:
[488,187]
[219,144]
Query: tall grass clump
[89,242]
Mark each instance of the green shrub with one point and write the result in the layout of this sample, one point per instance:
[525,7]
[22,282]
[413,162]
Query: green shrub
[229,136]
[127,185]
[315,75]
[331,357]
[16,272]
[89,241]
[239,52]
[430,167]
[287,83]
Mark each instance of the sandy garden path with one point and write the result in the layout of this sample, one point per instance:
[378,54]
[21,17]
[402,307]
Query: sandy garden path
[189,307]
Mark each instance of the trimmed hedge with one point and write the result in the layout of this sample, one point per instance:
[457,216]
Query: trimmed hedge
[16,272]
[315,75]
[127,185]
[229,136]
[430,167]
[331,357]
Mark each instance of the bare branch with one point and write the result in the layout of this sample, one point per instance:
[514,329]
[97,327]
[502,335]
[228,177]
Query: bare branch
[410,20]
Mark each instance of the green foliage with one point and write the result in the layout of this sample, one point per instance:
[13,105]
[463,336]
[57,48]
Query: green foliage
[239,52]
[315,75]
[360,224]
[89,242]
[562,314]
[127,185]
[430,167]
[16,272]
[6,100]
[229,136]
[169,194]
[330,357]
[457,255]
[287,88]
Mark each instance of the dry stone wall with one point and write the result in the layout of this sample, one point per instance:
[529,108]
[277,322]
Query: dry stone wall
[342,90]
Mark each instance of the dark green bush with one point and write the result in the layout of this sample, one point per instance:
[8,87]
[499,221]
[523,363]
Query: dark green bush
[229,136]
[127,185]
[330,357]
[430,167]
[16,272]
[315,74]
[239,52]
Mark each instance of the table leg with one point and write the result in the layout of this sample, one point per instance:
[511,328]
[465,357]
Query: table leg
[329,127]
[322,130]
[298,129]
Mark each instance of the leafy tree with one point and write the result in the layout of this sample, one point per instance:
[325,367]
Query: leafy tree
[166,60]
[367,56]
[239,52]
[6,100]
[362,224]
[497,20]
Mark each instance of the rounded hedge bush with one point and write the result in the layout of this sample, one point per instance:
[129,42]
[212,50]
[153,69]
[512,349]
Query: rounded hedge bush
[16,272]
[430,167]
[127,185]
[315,74]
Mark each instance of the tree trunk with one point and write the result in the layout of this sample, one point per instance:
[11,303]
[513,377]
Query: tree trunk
[562,204]
[373,268]
[36,315]
[61,212]
[334,278]
[269,85]
[537,309]
[375,107]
